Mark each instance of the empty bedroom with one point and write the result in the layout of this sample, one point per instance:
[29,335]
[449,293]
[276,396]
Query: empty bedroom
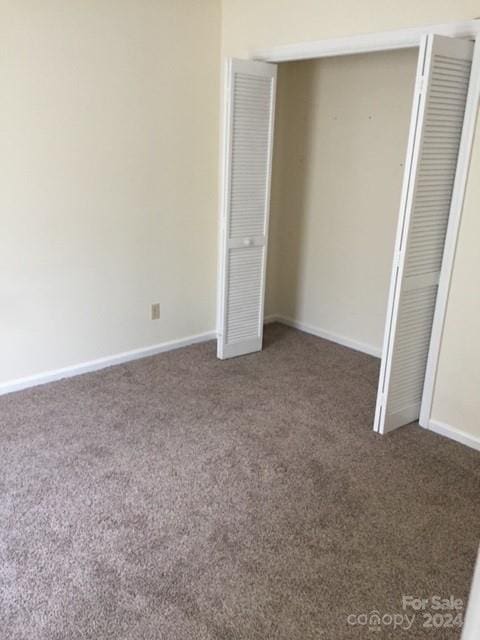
[239,275]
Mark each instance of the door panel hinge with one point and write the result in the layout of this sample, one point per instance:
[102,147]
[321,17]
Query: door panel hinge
[398,258]
[422,85]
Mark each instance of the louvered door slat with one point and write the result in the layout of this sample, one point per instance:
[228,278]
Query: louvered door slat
[437,121]
[250,100]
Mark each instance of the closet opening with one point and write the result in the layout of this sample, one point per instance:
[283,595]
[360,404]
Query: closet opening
[357,183]
[341,132]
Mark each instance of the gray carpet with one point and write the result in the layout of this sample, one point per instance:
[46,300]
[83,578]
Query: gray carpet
[182,498]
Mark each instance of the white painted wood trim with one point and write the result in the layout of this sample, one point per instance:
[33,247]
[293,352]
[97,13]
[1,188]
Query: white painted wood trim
[453,433]
[326,335]
[365,43]
[226,135]
[458,197]
[102,363]
[471,627]
[223,172]
[271,139]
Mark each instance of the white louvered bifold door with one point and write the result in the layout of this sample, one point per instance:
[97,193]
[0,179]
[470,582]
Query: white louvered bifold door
[435,131]
[248,134]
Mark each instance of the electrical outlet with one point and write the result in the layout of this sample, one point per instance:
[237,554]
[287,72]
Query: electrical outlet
[156,311]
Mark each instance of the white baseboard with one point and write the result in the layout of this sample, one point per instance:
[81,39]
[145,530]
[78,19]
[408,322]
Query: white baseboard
[119,358]
[327,335]
[102,363]
[453,433]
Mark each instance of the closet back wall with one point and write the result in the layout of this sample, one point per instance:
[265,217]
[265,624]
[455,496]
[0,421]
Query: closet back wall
[340,141]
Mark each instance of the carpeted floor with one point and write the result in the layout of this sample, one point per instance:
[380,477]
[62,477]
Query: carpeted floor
[183,498]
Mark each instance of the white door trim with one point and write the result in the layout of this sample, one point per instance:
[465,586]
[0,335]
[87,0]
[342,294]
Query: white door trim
[365,43]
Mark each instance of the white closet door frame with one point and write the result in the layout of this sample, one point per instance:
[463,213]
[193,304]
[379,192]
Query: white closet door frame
[388,41]
[366,42]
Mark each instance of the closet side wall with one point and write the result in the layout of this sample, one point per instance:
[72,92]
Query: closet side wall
[341,133]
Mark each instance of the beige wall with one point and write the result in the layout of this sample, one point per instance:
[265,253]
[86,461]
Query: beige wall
[248,25]
[341,134]
[108,165]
